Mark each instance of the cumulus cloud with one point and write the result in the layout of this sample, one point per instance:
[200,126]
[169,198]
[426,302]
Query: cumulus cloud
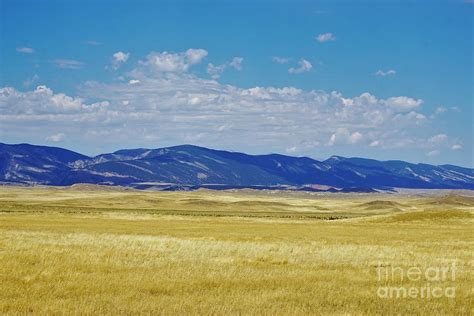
[40,103]
[158,63]
[177,108]
[403,103]
[180,107]
[118,59]
[343,136]
[456,147]
[68,63]
[195,56]
[25,50]
[326,37]
[216,70]
[304,66]
[382,73]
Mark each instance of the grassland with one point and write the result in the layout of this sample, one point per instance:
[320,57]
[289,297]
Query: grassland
[109,251]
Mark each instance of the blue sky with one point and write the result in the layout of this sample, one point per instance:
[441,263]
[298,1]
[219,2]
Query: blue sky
[385,79]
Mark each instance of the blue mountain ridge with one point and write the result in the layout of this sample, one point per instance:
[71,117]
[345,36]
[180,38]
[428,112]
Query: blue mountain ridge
[188,166]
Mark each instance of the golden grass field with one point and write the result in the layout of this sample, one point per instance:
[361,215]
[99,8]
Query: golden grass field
[96,250]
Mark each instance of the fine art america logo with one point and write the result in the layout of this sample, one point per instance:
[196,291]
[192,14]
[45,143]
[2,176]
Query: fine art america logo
[431,282]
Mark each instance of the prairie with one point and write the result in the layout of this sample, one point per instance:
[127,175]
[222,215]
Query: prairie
[88,249]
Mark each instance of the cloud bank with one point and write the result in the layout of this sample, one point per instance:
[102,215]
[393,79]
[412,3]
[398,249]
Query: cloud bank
[160,102]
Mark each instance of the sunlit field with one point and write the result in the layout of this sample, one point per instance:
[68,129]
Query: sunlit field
[92,250]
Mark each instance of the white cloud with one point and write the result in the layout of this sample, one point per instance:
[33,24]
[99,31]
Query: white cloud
[281,60]
[440,138]
[236,63]
[304,66]
[456,147]
[118,59]
[56,137]
[325,37]
[42,102]
[343,136]
[216,70]
[439,110]
[172,108]
[291,150]
[195,56]
[163,62]
[374,143]
[433,153]
[25,50]
[403,103]
[355,137]
[382,73]
[68,63]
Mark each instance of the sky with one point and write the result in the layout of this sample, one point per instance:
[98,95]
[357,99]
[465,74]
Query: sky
[389,80]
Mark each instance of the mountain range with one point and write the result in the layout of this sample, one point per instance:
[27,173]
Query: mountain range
[190,167]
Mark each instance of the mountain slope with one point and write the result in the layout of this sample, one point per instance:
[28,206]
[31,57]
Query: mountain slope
[199,166]
[24,163]
[40,164]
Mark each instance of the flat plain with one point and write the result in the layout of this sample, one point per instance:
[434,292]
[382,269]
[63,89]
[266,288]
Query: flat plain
[90,249]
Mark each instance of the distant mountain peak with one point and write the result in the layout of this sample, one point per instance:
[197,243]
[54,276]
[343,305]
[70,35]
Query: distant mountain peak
[194,166]
[335,158]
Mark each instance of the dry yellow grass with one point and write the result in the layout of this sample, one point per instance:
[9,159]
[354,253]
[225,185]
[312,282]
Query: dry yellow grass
[86,250]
